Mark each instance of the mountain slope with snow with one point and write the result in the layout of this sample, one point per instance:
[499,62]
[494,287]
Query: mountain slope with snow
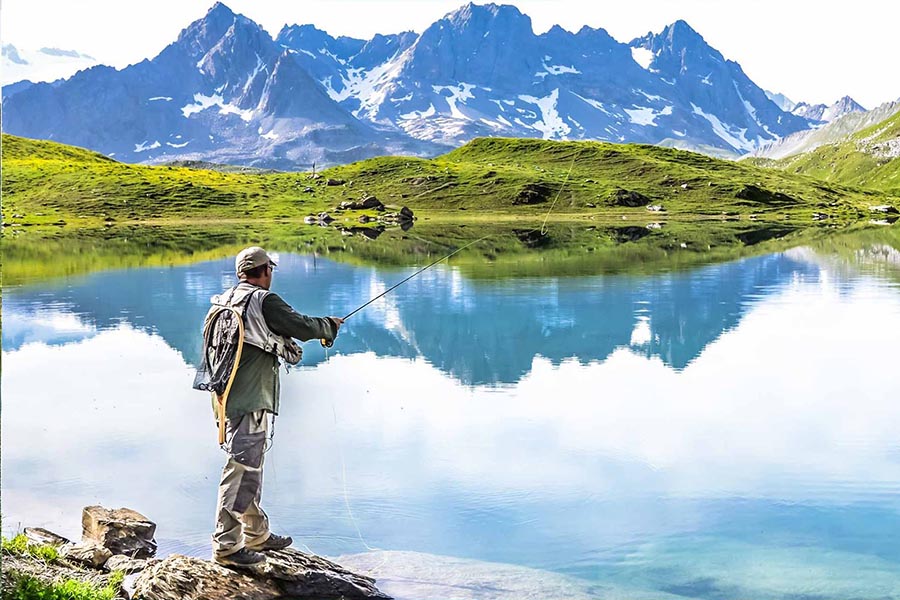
[226,91]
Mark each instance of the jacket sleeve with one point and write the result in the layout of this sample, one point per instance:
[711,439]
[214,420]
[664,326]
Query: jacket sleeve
[284,320]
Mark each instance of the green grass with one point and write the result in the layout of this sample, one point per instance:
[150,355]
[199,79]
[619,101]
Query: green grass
[27,587]
[23,586]
[48,183]
[859,161]
[20,545]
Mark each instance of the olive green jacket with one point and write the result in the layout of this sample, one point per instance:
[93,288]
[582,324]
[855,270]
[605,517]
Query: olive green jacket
[256,385]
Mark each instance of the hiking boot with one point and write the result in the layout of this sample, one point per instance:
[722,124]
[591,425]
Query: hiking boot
[242,558]
[275,542]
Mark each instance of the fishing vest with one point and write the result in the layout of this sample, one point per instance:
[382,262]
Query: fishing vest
[248,299]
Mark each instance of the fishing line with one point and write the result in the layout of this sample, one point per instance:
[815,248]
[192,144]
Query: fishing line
[569,172]
[326,344]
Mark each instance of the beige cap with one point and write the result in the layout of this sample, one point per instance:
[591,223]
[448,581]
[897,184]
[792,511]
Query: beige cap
[250,258]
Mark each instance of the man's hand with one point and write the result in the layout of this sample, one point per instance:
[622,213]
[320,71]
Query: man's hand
[337,321]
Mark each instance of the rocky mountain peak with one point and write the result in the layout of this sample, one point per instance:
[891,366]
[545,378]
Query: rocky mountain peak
[498,18]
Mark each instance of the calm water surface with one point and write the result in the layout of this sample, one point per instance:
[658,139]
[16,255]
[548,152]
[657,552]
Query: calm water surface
[728,432]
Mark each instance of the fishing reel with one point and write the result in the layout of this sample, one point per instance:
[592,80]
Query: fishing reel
[326,343]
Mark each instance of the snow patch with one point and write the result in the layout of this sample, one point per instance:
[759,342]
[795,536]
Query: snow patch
[598,105]
[155,98]
[202,102]
[643,115]
[419,114]
[643,57]
[706,79]
[405,98]
[177,145]
[270,136]
[144,146]
[555,69]
[550,125]
[734,139]
[370,87]
[459,93]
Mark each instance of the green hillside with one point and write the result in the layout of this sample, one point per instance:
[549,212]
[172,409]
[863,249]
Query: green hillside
[47,183]
[869,158]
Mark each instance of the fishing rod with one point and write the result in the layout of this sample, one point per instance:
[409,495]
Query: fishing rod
[329,343]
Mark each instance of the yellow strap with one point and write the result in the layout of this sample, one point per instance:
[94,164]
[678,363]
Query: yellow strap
[223,399]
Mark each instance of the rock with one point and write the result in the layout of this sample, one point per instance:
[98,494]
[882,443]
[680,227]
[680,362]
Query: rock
[308,576]
[654,226]
[122,531]
[366,219]
[90,554]
[120,562]
[684,186]
[38,535]
[757,194]
[314,176]
[308,190]
[886,209]
[190,578]
[533,193]
[369,202]
[334,182]
[629,198]
[817,216]
[406,214]
[286,572]
[324,217]
[655,208]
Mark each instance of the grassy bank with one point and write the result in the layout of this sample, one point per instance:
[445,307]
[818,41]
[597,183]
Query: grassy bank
[866,159]
[49,183]
[33,572]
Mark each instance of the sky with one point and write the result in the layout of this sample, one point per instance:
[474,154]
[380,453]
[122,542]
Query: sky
[807,49]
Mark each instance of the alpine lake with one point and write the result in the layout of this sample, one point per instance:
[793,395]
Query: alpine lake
[563,414]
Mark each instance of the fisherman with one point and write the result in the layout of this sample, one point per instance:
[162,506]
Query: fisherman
[242,527]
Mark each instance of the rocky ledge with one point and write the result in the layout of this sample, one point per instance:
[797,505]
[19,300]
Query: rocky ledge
[122,540]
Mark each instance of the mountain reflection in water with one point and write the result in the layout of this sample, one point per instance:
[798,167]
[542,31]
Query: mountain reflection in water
[720,433]
[479,332]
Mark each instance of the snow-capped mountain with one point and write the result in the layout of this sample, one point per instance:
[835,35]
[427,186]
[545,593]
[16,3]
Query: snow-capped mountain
[226,91]
[822,113]
[223,91]
[46,64]
[835,132]
[781,101]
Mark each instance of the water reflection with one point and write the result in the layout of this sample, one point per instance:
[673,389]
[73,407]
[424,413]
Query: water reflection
[729,432]
[480,332]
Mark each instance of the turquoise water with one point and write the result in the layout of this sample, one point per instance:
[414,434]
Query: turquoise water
[727,432]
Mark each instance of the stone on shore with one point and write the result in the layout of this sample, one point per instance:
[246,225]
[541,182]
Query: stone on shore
[286,573]
[122,531]
[90,554]
[39,535]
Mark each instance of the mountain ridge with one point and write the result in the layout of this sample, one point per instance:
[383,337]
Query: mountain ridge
[478,71]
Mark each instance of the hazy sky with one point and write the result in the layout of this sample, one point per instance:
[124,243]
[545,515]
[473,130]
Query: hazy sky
[807,49]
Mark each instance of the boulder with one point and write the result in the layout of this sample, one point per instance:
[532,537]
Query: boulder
[122,531]
[655,208]
[886,209]
[629,198]
[190,578]
[39,535]
[406,214]
[369,202]
[90,554]
[286,573]
[334,182]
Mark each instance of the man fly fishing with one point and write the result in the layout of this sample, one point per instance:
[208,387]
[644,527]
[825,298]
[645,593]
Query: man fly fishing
[247,331]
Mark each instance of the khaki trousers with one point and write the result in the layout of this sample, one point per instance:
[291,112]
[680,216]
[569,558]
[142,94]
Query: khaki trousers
[240,521]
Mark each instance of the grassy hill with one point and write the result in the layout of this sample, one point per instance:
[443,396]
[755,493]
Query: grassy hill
[869,158]
[46,183]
